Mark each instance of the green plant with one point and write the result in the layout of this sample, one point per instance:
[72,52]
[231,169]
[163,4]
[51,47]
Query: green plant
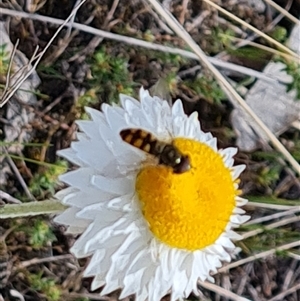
[148,36]
[296,150]
[207,88]
[268,175]
[270,239]
[164,58]
[223,39]
[110,76]
[250,53]
[293,69]
[52,71]
[40,234]
[4,60]
[45,181]
[279,33]
[216,40]
[89,98]
[45,285]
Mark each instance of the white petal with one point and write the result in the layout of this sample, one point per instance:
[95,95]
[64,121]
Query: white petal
[71,156]
[131,283]
[92,211]
[67,217]
[77,229]
[96,115]
[228,152]
[211,279]
[193,130]
[82,199]
[97,283]
[225,242]
[117,186]
[91,129]
[165,119]
[237,170]
[141,260]
[111,285]
[177,129]
[180,281]
[240,201]
[94,154]
[96,267]
[233,235]
[139,119]
[129,104]
[66,193]
[79,178]
[125,202]
[192,273]
[142,295]
[177,109]
[237,210]
[239,219]
[115,120]
[212,143]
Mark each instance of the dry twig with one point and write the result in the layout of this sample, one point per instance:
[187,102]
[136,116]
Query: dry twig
[265,254]
[221,291]
[9,198]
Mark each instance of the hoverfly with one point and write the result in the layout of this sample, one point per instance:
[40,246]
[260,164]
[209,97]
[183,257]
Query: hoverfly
[166,153]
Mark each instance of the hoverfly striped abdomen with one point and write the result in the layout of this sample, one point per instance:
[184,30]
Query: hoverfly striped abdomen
[167,153]
[142,140]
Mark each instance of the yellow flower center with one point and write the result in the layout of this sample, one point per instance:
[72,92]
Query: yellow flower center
[189,210]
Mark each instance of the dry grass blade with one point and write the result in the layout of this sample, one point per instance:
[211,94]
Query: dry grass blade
[9,198]
[283,222]
[10,66]
[263,47]
[27,263]
[293,255]
[270,206]
[17,173]
[283,11]
[273,216]
[265,254]
[221,291]
[7,94]
[289,291]
[19,77]
[232,94]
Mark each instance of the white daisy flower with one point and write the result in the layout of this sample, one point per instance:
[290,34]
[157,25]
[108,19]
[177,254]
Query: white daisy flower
[150,231]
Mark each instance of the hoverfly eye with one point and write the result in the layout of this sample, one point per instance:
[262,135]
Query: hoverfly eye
[183,166]
[171,154]
[178,160]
